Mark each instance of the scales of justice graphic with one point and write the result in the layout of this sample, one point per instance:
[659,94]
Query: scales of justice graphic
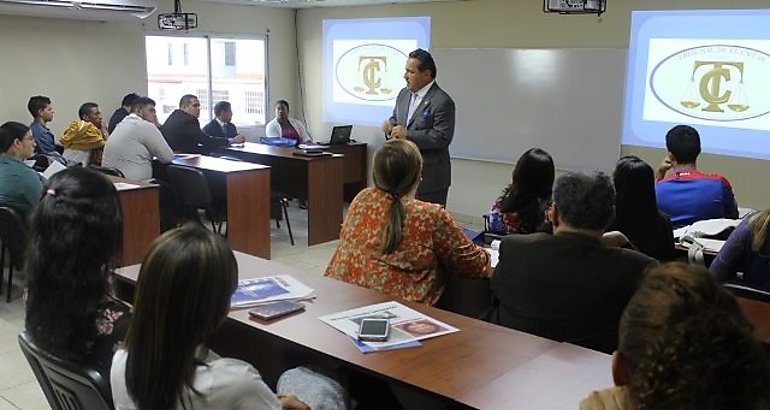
[712,87]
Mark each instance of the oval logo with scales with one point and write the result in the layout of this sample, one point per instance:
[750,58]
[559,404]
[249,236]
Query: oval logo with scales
[371,72]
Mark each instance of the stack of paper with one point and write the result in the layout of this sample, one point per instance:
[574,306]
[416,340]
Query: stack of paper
[258,291]
[407,326]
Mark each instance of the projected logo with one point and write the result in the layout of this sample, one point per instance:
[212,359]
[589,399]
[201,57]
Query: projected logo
[371,72]
[713,82]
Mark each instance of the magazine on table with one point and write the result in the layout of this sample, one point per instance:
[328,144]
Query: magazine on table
[406,325]
[258,291]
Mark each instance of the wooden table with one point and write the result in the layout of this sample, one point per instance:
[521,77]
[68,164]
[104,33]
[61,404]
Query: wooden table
[482,366]
[355,172]
[247,189]
[758,314]
[141,218]
[317,179]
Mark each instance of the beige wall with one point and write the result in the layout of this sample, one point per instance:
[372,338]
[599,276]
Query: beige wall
[75,61]
[516,24]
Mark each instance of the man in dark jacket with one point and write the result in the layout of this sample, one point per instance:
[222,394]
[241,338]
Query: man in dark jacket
[183,132]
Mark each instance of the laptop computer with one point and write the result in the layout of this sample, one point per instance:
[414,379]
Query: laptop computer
[340,135]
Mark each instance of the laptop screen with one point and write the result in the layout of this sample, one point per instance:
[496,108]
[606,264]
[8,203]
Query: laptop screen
[340,134]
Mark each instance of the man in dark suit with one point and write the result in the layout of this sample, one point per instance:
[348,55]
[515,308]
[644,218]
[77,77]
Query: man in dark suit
[221,126]
[183,132]
[425,115]
[569,286]
[125,108]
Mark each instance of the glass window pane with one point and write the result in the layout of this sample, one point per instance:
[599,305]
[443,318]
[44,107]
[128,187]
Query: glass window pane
[176,66]
[238,76]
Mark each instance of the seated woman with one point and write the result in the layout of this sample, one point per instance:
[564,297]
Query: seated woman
[685,344]
[75,239]
[636,210]
[747,250]
[182,297]
[20,185]
[521,207]
[284,126]
[396,244]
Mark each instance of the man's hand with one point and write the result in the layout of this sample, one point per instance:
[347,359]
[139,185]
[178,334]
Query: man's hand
[387,127]
[663,168]
[240,139]
[399,131]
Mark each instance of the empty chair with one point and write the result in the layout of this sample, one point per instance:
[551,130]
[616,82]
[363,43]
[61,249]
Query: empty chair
[66,385]
[192,191]
[280,202]
[13,234]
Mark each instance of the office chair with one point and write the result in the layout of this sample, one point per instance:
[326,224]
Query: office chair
[13,235]
[107,170]
[747,292]
[66,385]
[192,190]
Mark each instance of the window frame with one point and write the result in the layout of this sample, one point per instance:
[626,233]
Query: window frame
[208,36]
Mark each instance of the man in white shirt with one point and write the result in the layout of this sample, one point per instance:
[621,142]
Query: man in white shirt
[135,141]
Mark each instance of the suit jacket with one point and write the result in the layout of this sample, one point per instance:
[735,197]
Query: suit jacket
[432,128]
[183,133]
[567,287]
[215,130]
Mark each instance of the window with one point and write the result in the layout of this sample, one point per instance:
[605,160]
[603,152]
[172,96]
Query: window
[230,53]
[254,102]
[212,68]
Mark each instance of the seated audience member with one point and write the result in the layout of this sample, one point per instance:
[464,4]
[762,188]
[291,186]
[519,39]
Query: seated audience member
[636,211]
[183,132]
[284,126]
[221,126]
[20,185]
[135,141]
[122,112]
[685,344]
[182,297]
[747,251]
[684,193]
[521,207]
[74,244]
[83,139]
[396,244]
[568,286]
[42,113]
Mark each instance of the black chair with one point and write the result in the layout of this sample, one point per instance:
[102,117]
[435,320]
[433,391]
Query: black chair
[280,202]
[192,191]
[107,170]
[66,385]
[747,292]
[13,235]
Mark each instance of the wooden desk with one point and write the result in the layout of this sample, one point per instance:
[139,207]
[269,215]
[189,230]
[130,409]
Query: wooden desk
[482,366]
[141,219]
[317,179]
[247,189]
[355,169]
[758,314]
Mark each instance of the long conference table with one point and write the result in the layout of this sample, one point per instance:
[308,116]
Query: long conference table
[319,180]
[141,217]
[482,366]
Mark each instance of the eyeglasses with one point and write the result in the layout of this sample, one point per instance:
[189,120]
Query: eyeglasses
[28,138]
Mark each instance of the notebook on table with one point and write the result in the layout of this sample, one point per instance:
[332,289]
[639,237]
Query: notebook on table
[340,135]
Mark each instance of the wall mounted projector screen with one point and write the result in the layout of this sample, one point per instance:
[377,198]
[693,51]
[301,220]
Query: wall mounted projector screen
[363,66]
[705,68]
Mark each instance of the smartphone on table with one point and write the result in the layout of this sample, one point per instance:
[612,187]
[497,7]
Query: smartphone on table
[275,310]
[374,330]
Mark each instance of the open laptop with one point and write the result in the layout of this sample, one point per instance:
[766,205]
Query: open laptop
[340,135]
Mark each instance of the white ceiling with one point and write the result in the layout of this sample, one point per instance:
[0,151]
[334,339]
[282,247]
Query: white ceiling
[331,3]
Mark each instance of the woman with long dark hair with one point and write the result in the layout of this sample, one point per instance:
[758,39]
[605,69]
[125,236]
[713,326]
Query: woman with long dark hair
[76,233]
[396,244]
[636,210]
[521,207]
[182,297]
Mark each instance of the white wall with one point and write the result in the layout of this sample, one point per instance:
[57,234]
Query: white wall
[76,61]
[516,24]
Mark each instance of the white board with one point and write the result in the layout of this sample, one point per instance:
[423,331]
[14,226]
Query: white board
[568,102]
